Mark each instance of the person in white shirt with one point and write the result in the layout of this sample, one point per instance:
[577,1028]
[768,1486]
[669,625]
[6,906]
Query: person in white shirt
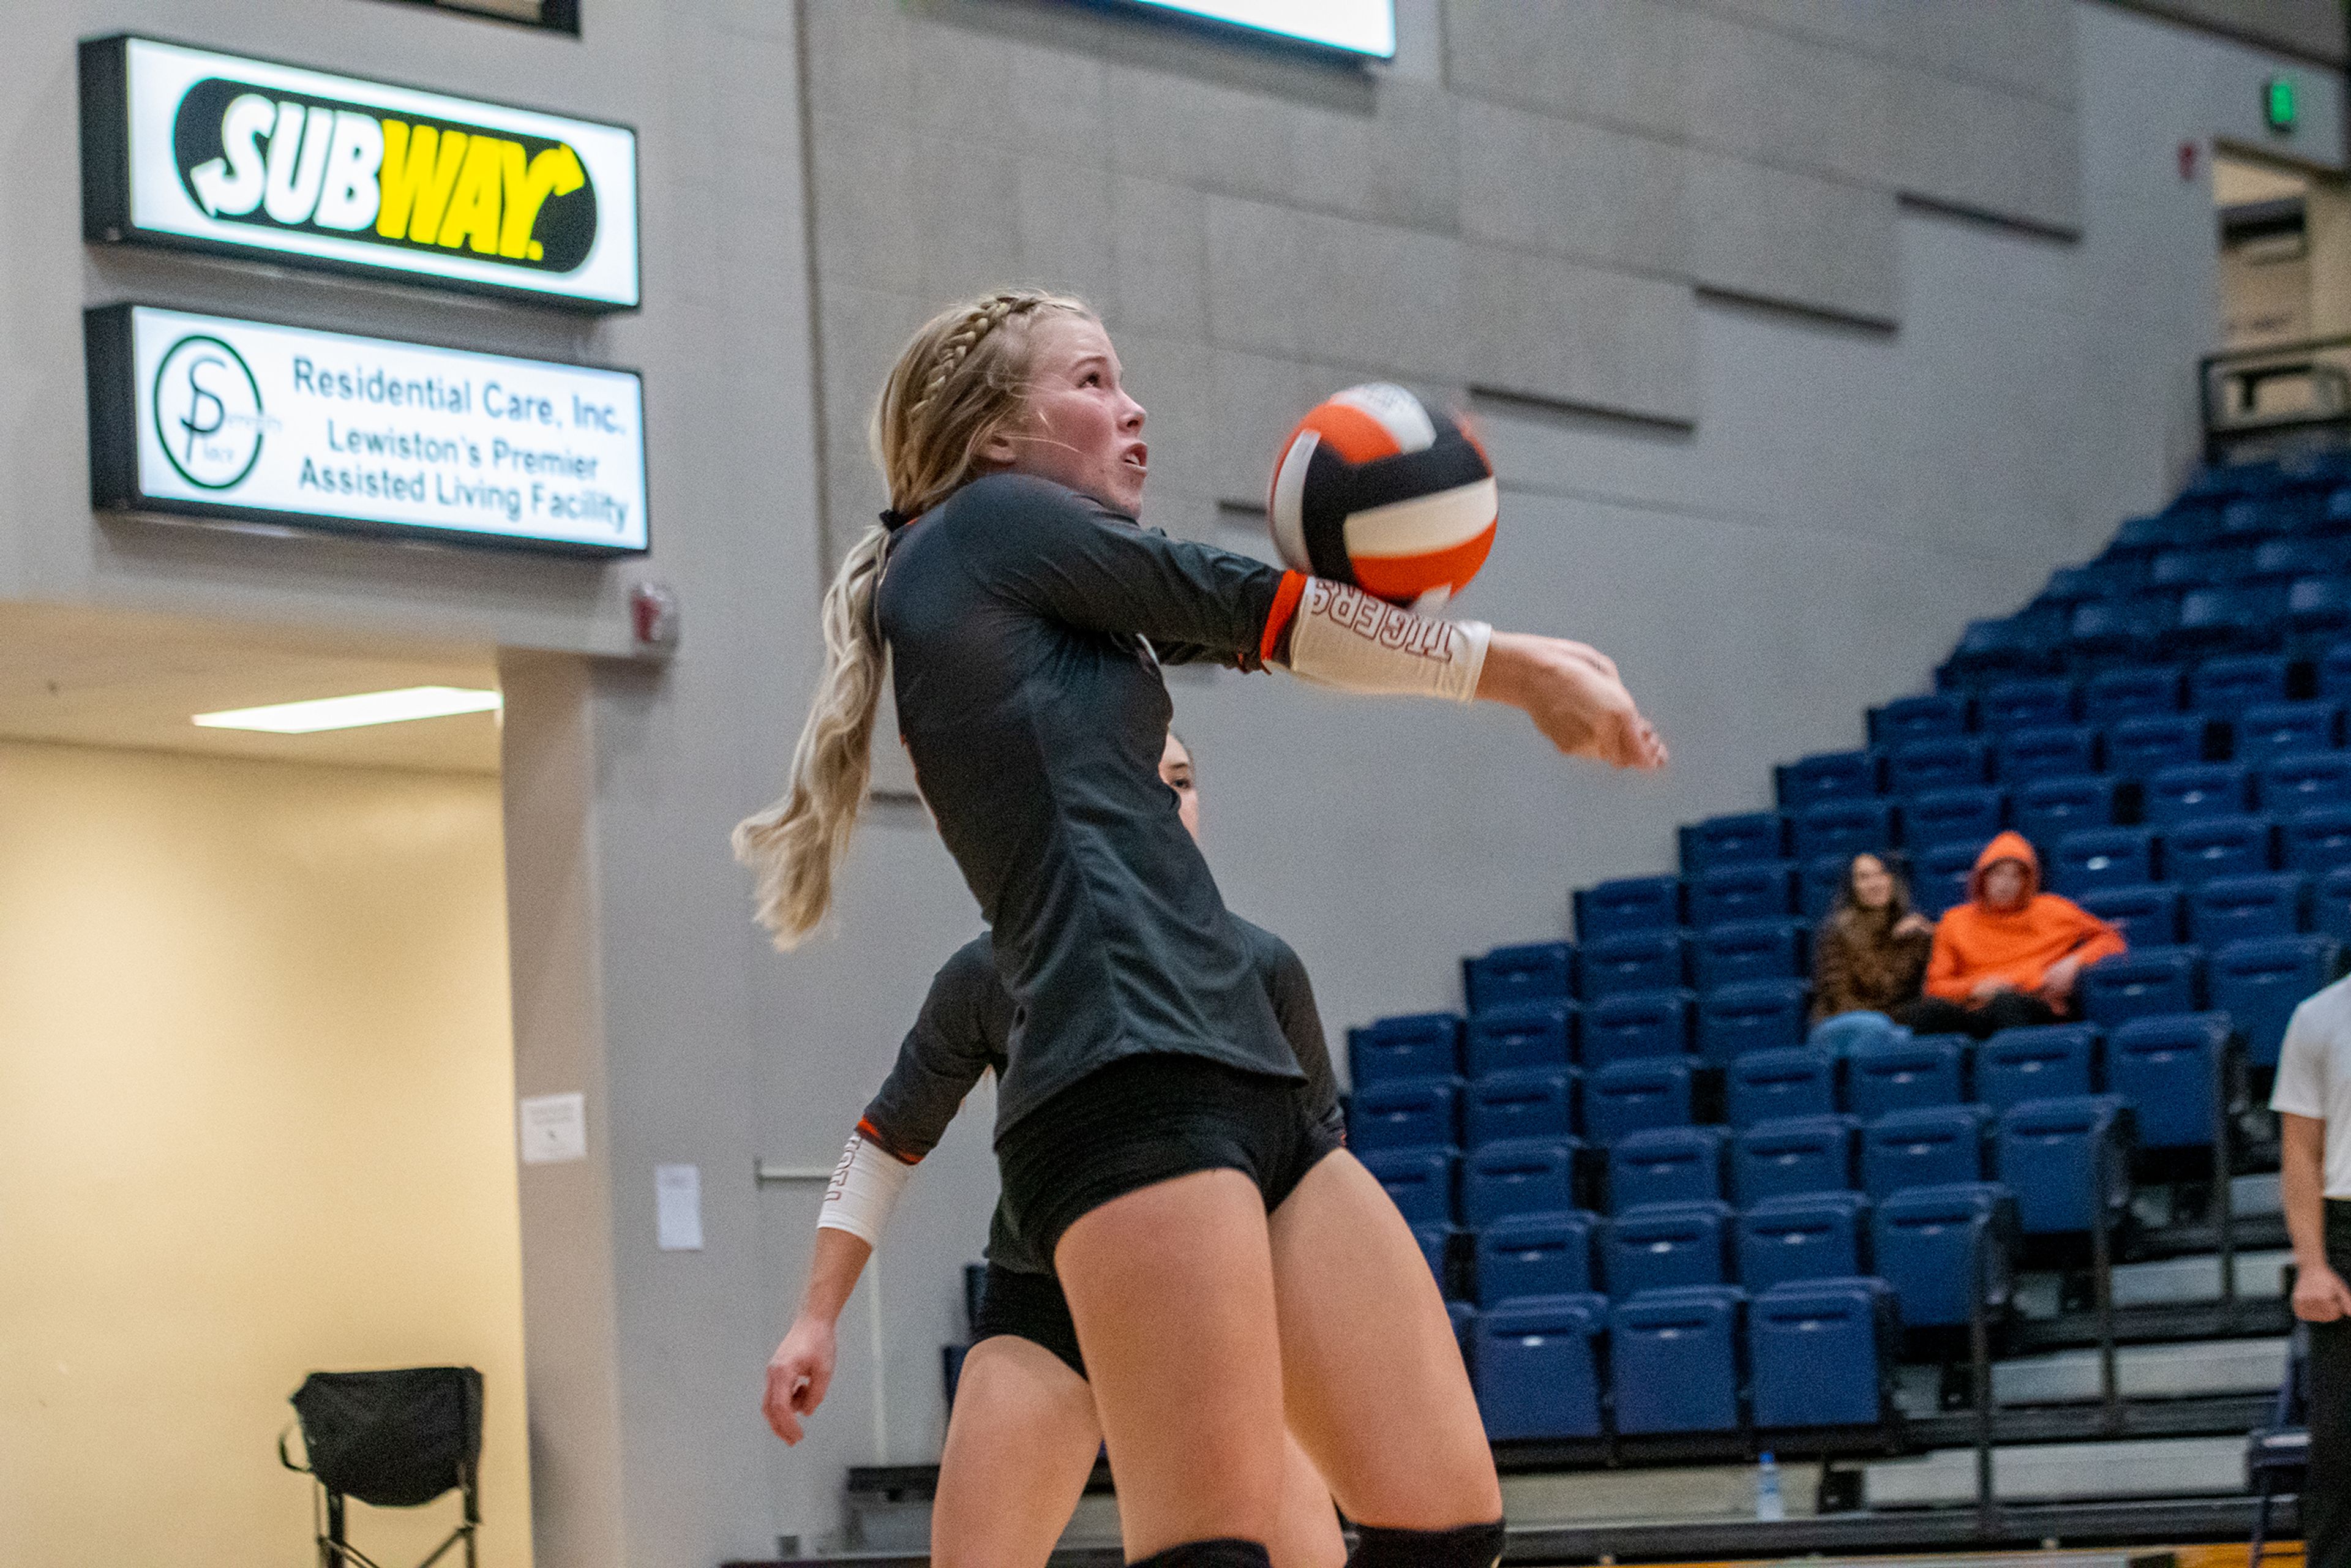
[2313,1100]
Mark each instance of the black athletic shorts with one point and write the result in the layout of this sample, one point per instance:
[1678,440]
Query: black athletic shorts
[1031,1307]
[1145,1119]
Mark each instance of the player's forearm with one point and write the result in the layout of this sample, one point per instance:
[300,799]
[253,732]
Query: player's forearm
[833,1273]
[2302,1187]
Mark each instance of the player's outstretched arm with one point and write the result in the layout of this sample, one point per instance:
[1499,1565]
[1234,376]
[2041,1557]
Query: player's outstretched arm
[1575,696]
[801,1369]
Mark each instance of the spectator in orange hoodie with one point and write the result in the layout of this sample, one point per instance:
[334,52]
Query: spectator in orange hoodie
[2010,954]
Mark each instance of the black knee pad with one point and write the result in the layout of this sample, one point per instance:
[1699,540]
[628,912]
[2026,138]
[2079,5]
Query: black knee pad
[1221,1551]
[1468,1546]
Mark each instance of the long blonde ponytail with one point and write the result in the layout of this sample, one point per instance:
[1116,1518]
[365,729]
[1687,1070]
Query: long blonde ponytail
[960,379]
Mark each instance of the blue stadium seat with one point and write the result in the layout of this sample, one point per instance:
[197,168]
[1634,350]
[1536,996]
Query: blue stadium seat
[1525,1034]
[2139,747]
[1939,875]
[2296,783]
[2316,840]
[2046,751]
[1437,1251]
[1944,762]
[1925,1147]
[1417,1045]
[1536,1255]
[1630,961]
[1753,1015]
[1843,828]
[1526,1102]
[2196,790]
[2141,982]
[2148,916]
[2108,577]
[1420,1181]
[1629,1096]
[2270,731]
[1537,1375]
[1749,950]
[1906,719]
[2223,687]
[1889,1075]
[2205,567]
[1405,1114]
[2289,559]
[2333,672]
[1525,1175]
[1627,903]
[1528,972]
[1923,1241]
[2195,852]
[1809,1236]
[1743,839]
[1843,1033]
[1822,1353]
[1826,776]
[1765,890]
[1677,1361]
[1667,1246]
[1967,816]
[2149,691]
[2258,984]
[1800,1080]
[2030,643]
[2135,628]
[2319,606]
[1665,1165]
[2048,809]
[2026,704]
[2058,1155]
[2233,908]
[2243,615]
[1792,1155]
[1637,1023]
[2330,906]
[2019,1064]
[2169,1070]
[2097,858]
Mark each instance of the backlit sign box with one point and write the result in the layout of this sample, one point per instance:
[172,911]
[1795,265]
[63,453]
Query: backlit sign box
[1354,26]
[187,148]
[209,417]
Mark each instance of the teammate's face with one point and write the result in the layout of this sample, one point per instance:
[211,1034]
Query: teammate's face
[1176,772]
[1079,428]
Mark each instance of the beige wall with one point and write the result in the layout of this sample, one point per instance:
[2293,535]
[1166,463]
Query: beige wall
[255,1119]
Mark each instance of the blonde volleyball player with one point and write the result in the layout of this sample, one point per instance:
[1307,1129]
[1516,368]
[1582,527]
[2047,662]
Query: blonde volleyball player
[1149,1133]
[1022,1438]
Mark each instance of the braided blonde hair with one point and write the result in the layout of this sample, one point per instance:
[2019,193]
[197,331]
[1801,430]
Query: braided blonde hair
[961,379]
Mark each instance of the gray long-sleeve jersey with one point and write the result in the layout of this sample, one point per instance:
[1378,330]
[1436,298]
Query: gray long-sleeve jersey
[967,1019]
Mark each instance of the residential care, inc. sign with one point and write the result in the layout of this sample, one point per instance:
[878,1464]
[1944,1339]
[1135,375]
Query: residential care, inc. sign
[209,417]
[188,148]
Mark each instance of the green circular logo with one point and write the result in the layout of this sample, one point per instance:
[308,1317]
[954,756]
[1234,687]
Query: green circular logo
[207,409]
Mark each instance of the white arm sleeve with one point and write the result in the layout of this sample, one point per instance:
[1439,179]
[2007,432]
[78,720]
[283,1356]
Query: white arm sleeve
[1343,637]
[865,1188]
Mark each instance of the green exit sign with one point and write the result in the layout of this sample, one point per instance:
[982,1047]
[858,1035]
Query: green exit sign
[2278,103]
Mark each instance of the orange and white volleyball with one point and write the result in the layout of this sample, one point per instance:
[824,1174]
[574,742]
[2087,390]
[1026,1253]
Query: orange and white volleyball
[1375,488]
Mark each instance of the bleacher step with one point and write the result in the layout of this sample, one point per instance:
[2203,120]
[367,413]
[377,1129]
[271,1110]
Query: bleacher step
[2172,1281]
[2143,1371]
[2255,1195]
[1695,1491]
[2165,1467]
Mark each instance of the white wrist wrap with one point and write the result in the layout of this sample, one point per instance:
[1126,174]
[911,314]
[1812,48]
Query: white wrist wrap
[1343,637]
[865,1188]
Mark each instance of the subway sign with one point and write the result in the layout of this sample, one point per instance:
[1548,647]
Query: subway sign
[215,417]
[187,148]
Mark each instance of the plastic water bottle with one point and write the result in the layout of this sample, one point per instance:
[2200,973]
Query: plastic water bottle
[1770,1507]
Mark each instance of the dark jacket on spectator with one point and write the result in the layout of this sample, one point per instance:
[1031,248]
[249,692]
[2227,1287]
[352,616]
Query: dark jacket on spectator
[1860,965]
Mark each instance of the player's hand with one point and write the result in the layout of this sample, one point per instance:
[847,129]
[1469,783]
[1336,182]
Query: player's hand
[2320,1296]
[1575,696]
[797,1375]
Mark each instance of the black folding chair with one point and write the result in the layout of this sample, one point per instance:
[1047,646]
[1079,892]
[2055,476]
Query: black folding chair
[391,1439]
[2277,1457]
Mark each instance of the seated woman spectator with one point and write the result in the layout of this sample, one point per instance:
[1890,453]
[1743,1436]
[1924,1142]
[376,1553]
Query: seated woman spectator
[2010,954]
[1870,954]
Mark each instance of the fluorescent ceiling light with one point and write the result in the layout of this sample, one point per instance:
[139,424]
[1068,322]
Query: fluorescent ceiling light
[352,712]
